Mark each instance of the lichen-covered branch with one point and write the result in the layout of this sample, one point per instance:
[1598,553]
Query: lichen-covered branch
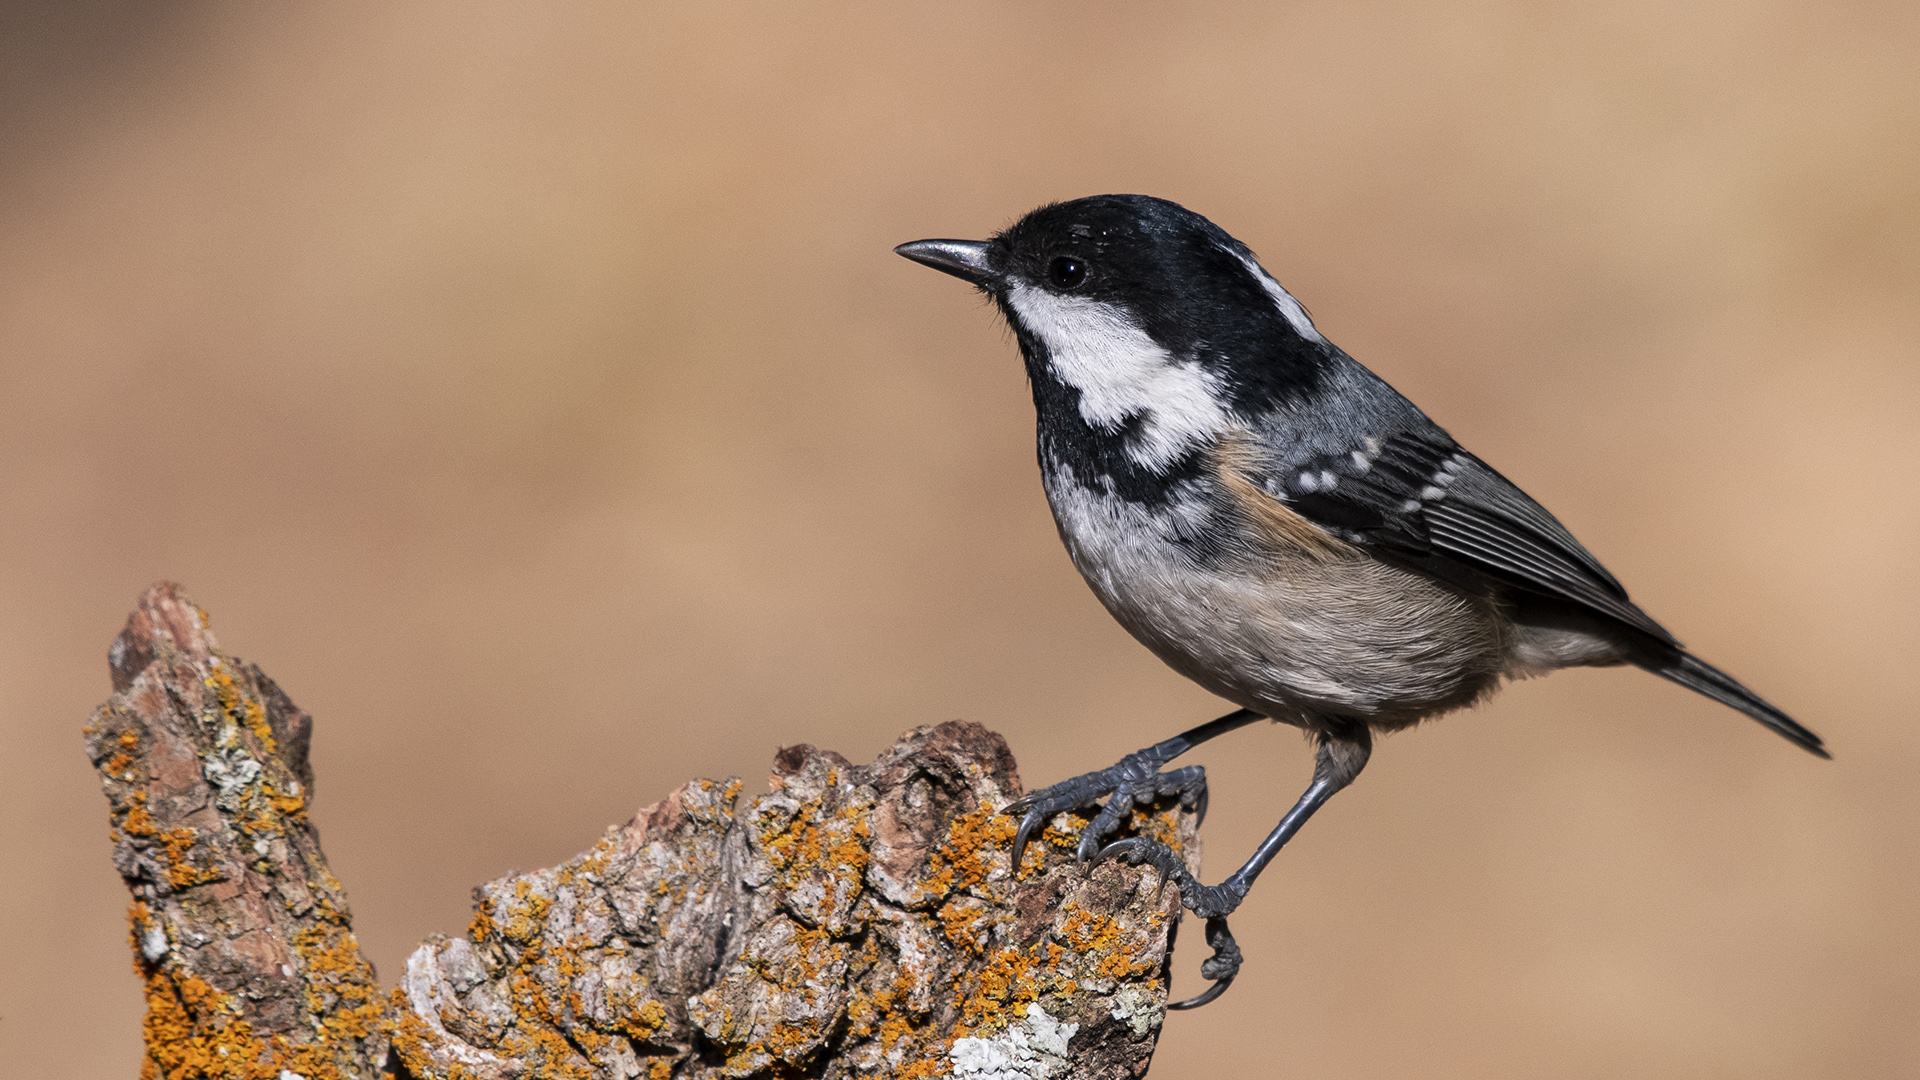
[239,931]
[854,921]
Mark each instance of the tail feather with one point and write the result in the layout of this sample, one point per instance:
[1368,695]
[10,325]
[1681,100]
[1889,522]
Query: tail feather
[1701,677]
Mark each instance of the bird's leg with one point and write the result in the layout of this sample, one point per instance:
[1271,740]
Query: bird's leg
[1341,754]
[1135,779]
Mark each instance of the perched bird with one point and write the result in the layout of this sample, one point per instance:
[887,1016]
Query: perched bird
[1274,521]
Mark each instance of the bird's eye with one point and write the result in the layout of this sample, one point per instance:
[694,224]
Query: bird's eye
[1067,272]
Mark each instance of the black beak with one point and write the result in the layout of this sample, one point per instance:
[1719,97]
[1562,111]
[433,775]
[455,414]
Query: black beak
[964,259]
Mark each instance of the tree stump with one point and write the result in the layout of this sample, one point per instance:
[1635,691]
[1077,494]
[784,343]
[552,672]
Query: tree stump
[853,921]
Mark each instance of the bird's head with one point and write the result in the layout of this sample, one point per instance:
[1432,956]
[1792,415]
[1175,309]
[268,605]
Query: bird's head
[1140,319]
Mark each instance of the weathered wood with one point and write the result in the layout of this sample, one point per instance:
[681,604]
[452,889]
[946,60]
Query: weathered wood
[854,921]
[239,931]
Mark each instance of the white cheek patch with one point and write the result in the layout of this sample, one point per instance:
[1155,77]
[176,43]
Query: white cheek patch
[1121,373]
[1282,299]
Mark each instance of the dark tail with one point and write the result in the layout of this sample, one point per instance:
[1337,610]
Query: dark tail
[1697,675]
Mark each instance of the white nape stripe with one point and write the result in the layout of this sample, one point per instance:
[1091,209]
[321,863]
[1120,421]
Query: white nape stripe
[1282,299]
[1121,373]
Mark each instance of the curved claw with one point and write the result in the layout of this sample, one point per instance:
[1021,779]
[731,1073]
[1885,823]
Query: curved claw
[1213,902]
[1207,901]
[1086,850]
[1221,967]
[1137,849]
[1022,834]
[1205,996]
[1133,780]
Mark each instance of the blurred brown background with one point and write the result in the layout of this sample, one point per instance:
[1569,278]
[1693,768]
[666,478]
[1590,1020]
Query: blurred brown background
[530,388]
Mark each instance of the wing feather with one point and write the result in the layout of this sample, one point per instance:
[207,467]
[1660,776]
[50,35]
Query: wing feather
[1419,494]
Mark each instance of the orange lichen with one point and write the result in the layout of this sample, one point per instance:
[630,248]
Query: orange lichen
[139,925]
[482,926]
[807,843]
[882,1014]
[926,1069]
[821,842]
[118,765]
[962,861]
[181,873]
[789,1042]
[969,838]
[268,811]
[1011,979]
[340,996]
[552,1033]
[1089,931]
[139,820]
[1161,827]
[525,914]
[1120,966]
[240,707]
[642,1023]
[412,1038]
[340,988]
[192,1034]
[1065,839]
[287,803]
[1092,934]
[177,843]
[965,924]
[537,1039]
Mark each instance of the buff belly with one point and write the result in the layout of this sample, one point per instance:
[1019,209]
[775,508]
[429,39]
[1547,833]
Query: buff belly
[1300,637]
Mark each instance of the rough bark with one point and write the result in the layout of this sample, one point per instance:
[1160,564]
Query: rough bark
[854,921]
[239,932]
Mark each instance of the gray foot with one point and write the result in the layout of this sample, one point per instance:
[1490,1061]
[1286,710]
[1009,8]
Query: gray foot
[1137,779]
[1211,902]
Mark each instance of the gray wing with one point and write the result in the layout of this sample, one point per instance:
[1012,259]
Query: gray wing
[1419,496]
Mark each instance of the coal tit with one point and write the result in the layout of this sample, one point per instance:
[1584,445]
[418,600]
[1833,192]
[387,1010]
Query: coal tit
[1274,521]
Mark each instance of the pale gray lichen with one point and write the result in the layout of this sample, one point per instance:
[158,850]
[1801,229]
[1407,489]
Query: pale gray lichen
[153,944]
[230,770]
[1141,1011]
[1033,1049]
[430,993]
